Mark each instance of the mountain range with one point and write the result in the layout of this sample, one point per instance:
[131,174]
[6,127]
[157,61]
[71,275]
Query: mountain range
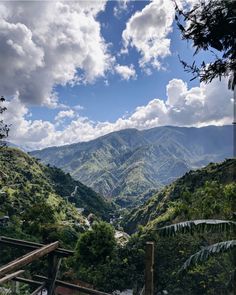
[130,163]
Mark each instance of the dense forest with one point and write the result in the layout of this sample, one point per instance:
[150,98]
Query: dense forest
[42,201]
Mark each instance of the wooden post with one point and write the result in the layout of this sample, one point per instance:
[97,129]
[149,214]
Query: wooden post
[149,262]
[53,270]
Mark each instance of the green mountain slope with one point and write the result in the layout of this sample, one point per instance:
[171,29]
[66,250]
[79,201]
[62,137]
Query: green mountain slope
[42,201]
[128,163]
[203,194]
[197,195]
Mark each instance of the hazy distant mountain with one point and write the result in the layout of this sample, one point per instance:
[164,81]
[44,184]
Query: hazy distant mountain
[128,163]
[11,144]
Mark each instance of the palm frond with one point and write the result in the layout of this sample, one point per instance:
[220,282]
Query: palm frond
[199,226]
[208,252]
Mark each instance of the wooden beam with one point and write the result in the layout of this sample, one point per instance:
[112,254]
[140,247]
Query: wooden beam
[54,266]
[27,281]
[40,288]
[28,258]
[75,287]
[10,276]
[149,261]
[31,246]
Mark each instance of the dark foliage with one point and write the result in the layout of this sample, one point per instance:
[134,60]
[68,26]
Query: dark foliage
[211,26]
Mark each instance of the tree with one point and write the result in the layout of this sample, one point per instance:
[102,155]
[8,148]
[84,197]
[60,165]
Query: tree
[96,245]
[205,226]
[96,256]
[211,26]
[4,128]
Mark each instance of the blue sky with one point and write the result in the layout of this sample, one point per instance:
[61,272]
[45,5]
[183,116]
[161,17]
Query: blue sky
[108,102]
[73,71]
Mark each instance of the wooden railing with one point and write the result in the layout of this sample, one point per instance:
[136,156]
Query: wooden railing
[13,269]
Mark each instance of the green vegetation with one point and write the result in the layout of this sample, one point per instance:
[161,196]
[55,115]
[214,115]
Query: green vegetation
[203,226]
[211,27]
[205,193]
[104,263]
[95,246]
[39,200]
[199,194]
[129,163]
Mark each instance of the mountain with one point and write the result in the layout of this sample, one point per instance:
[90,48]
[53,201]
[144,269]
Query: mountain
[128,163]
[199,194]
[207,193]
[41,201]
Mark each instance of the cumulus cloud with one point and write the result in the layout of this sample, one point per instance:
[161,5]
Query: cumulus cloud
[197,106]
[126,72]
[47,43]
[148,30]
[64,114]
[121,7]
[22,130]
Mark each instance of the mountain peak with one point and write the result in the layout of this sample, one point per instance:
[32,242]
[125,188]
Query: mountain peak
[130,162]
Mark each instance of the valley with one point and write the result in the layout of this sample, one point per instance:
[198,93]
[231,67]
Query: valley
[127,165]
[44,204]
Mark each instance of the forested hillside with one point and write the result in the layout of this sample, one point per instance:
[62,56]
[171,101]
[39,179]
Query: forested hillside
[38,199]
[128,163]
[203,194]
[198,194]
[43,202]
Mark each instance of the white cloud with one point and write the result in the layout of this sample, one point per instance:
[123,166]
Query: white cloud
[197,106]
[22,130]
[126,72]
[121,7]
[78,107]
[43,44]
[64,114]
[148,30]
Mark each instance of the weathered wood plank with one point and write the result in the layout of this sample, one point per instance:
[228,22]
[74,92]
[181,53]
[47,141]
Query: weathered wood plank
[149,261]
[10,276]
[27,281]
[40,288]
[31,246]
[28,258]
[54,266]
[75,287]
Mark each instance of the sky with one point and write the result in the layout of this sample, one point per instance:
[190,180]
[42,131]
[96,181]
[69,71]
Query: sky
[74,71]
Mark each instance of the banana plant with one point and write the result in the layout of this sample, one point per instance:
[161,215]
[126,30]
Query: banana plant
[205,226]
[202,226]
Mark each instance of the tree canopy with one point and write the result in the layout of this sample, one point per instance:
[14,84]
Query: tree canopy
[211,26]
[96,245]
